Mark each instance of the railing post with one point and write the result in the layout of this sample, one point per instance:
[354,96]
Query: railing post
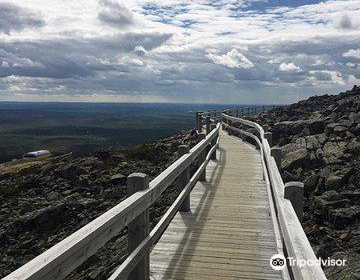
[229,130]
[183,179]
[207,124]
[268,136]
[213,142]
[199,122]
[138,229]
[294,191]
[242,111]
[237,112]
[277,154]
[202,158]
[263,108]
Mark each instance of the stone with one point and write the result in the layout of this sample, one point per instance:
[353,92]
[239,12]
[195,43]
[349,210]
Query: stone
[96,274]
[316,127]
[295,159]
[312,142]
[333,151]
[54,196]
[339,129]
[334,182]
[340,218]
[356,130]
[118,179]
[117,158]
[329,200]
[103,155]
[353,147]
[311,182]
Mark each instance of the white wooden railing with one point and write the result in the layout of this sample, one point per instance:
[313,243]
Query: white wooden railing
[64,257]
[287,198]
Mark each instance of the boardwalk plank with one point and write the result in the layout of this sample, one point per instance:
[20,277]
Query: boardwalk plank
[228,234]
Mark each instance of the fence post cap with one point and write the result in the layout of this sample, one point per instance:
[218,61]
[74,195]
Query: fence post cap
[295,184]
[276,148]
[138,175]
[137,181]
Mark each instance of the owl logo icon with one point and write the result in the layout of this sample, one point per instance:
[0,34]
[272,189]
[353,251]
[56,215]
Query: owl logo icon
[277,262]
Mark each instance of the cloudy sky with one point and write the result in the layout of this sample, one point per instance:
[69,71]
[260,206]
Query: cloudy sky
[222,51]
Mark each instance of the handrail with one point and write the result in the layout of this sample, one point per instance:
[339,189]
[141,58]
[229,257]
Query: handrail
[128,265]
[295,241]
[243,110]
[64,257]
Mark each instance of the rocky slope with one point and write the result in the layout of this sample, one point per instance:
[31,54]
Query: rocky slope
[42,205]
[320,141]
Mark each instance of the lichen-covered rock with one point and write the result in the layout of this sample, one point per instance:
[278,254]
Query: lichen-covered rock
[343,217]
[295,159]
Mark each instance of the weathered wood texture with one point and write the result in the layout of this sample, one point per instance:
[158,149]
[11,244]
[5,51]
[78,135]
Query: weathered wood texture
[295,241]
[228,234]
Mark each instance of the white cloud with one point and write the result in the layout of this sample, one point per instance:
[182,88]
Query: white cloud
[326,76]
[232,59]
[129,61]
[140,50]
[5,64]
[352,80]
[352,53]
[289,67]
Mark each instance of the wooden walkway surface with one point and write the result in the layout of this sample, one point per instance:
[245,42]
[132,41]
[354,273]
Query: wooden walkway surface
[228,234]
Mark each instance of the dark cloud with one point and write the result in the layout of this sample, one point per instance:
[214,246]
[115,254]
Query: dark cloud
[115,14]
[15,18]
[65,58]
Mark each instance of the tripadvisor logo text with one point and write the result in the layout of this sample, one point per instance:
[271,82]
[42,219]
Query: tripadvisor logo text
[278,262]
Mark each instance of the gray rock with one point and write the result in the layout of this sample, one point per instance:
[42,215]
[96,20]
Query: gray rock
[329,200]
[311,182]
[340,218]
[54,196]
[334,182]
[333,151]
[353,147]
[118,179]
[339,129]
[312,142]
[316,127]
[295,159]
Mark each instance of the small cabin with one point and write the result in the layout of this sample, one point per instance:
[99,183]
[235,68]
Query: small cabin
[37,154]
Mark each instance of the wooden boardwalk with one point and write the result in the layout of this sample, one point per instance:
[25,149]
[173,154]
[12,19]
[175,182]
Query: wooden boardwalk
[228,234]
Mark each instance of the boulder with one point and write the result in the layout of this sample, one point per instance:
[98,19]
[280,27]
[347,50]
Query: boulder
[311,182]
[328,200]
[316,127]
[333,151]
[43,219]
[117,158]
[118,179]
[353,147]
[343,217]
[312,142]
[295,159]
